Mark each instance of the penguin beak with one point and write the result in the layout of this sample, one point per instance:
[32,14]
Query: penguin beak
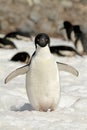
[42,40]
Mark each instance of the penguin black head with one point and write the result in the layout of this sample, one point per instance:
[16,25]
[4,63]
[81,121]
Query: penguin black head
[42,40]
[67,25]
[69,28]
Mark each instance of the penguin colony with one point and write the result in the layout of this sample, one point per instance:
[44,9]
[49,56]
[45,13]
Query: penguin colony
[77,35]
[44,94]
[42,76]
[7,43]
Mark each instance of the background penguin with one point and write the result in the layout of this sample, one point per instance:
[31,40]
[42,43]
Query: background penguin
[21,57]
[64,51]
[42,76]
[67,30]
[6,44]
[19,35]
[74,33]
[81,39]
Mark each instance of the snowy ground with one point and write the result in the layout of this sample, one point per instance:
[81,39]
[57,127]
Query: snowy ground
[16,112]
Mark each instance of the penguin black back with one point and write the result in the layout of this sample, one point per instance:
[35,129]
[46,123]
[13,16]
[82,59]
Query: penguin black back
[22,57]
[7,44]
[11,35]
[77,31]
[18,33]
[62,50]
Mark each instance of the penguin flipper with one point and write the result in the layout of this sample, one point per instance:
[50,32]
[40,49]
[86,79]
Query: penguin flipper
[17,72]
[67,68]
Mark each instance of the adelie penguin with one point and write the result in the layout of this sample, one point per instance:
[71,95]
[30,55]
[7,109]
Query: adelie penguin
[42,76]
[64,51]
[80,39]
[19,35]
[22,57]
[67,30]
[73,33]
[7,44]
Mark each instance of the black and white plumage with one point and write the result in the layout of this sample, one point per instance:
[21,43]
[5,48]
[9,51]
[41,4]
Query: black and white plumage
[67,29]
[42,76]
[19,35]
[7,44]
[64,50]
[81,39]
[77,35]
[21,57]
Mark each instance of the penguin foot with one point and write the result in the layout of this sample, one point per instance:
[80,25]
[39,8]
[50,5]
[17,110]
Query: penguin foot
[41,109]
[45,109]
[52,109]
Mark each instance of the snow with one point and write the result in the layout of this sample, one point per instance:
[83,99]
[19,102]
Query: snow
[16,113]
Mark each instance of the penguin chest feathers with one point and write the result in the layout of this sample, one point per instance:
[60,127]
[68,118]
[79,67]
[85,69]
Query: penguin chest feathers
[43,67]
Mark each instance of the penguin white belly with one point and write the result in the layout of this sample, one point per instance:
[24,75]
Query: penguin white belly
[67,53]
[42,85]
[80,47]
[63,32]
[73,36]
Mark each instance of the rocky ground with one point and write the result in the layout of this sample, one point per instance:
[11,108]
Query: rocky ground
[40,15]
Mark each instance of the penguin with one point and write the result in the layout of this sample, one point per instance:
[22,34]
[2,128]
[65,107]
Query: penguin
[42,76]
[80,39]
[74,34]
[67,30]
[23,57]
[7,44]
[64,51]
[19,35]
